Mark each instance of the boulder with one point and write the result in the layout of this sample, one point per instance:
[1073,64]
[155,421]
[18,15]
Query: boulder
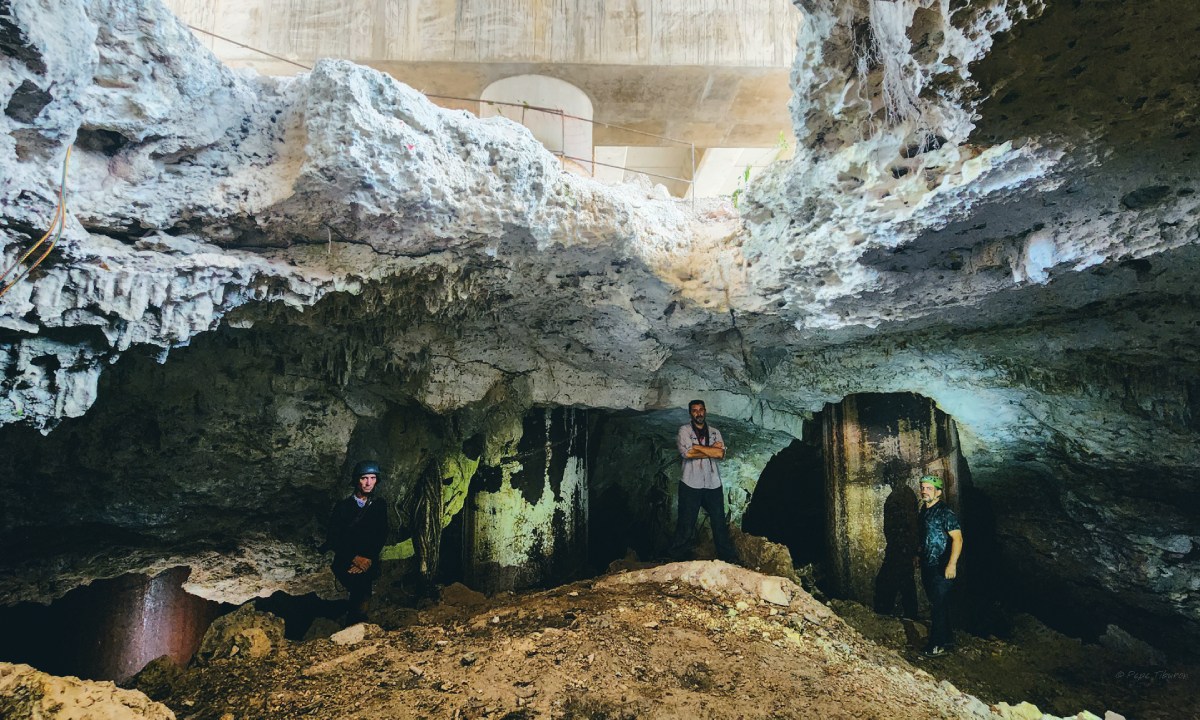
[764,556]
[321,628]
[158,679]
[26,692]
[355,634]
[243,633]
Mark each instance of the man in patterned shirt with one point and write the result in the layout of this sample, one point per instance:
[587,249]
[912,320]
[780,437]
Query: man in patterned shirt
[941,544]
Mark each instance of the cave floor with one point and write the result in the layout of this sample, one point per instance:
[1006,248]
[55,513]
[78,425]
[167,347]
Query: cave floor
[1060,674]
[587,650]
[643,644]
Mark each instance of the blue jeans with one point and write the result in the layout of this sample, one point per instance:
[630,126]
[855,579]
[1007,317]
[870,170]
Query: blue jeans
[937,589]
[713,502]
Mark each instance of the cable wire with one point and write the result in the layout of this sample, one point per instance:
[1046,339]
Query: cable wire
[60,220]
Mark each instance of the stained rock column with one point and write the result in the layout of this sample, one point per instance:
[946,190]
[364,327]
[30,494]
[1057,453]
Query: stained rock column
[877,445]
[526,519]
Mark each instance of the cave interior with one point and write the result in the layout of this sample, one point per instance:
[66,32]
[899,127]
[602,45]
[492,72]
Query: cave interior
[979,264]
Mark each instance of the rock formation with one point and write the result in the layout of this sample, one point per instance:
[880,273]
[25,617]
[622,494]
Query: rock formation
[260,280]
[28,693]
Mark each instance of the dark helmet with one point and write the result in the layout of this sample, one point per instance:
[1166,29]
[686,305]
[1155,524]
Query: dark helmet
[366,467]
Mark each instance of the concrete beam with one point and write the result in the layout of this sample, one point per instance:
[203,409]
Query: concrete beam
[711,73]
[709,33]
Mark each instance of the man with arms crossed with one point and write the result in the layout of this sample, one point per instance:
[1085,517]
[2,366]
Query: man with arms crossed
[701,446]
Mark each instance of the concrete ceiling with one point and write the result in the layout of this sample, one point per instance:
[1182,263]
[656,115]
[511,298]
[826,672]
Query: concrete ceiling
[708,74]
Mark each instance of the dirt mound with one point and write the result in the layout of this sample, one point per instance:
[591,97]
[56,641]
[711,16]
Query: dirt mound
[699,639]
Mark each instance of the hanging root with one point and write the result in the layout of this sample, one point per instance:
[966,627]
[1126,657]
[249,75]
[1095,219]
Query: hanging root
[901,83]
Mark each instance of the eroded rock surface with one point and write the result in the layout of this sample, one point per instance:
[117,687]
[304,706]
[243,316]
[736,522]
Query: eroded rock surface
[242,634]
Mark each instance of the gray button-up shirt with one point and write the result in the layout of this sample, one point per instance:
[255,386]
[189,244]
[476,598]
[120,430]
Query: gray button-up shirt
[699,473]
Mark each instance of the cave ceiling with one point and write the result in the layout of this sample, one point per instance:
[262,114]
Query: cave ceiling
[992,204]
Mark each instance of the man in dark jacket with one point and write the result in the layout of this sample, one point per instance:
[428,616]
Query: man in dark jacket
[358,529]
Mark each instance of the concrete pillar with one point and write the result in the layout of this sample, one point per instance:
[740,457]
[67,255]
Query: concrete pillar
[110,629]
[723,171]
[877,444]
[568,137]
[526,520]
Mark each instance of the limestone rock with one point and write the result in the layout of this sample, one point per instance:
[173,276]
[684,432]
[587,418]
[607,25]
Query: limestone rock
[354,634]
[29,693]
[255,566]
[243,634]
[158,678]
[729,582]
[1029,711]
[764,556]
[774,591]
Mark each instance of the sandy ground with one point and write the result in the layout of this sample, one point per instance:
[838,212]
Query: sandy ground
[684,640]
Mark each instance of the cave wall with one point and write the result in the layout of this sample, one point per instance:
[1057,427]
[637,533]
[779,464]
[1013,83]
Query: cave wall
[240,440]
[110,629]
[230,455]
[527,517]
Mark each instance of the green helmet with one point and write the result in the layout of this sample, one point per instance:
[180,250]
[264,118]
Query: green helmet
[933,480]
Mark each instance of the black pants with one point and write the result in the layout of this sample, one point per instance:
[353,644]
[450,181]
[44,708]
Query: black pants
[713,502]
[937,589]
[359,587]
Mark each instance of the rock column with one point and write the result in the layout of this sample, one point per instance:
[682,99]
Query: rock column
[877,445]
[526,521]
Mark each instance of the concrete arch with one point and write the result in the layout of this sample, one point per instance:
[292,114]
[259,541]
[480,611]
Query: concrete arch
[560,134]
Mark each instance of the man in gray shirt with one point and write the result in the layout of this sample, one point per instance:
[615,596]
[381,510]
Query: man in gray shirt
[701,446]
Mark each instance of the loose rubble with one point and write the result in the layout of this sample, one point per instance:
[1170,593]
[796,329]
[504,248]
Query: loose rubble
[696,639]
